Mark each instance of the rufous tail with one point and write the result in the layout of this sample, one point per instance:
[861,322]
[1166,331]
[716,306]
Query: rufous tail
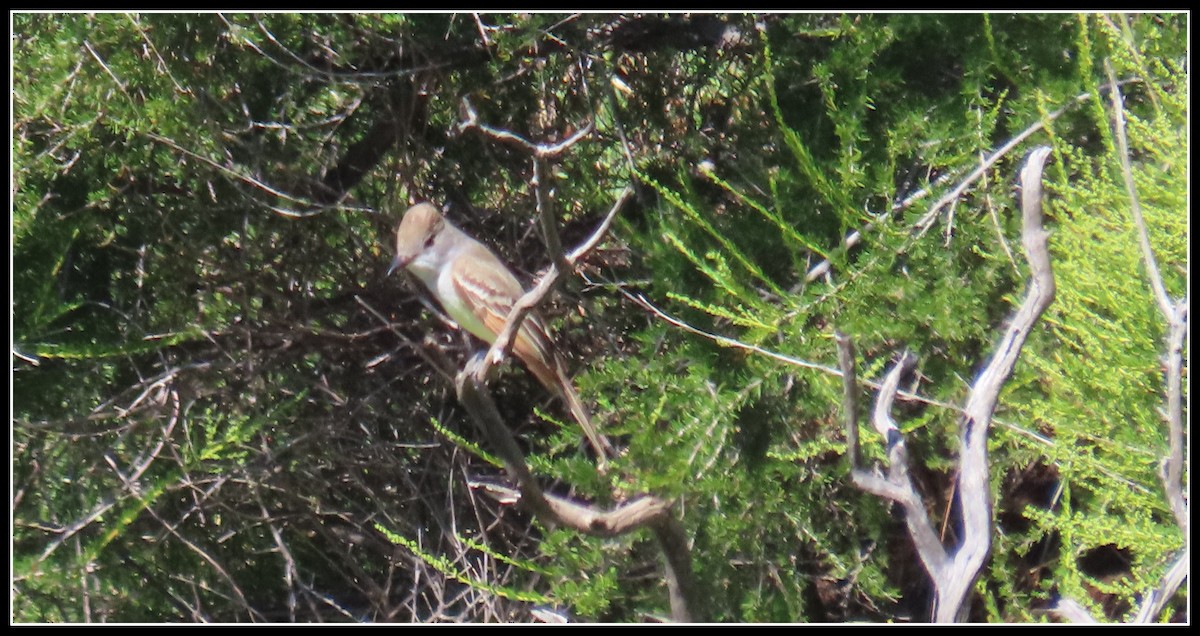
[555,378]
[584,417]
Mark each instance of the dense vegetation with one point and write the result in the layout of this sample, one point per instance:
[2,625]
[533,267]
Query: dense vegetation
[223,410]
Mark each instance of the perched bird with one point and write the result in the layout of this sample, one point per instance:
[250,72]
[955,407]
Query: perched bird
[478,291]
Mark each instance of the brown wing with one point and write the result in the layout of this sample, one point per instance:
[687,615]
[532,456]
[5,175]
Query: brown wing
[491,290]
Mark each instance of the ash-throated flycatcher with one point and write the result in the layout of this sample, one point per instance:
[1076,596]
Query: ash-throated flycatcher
[478,292]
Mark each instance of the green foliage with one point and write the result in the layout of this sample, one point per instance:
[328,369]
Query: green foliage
[940,298]
[446,567]
[1096,382]
[212,421]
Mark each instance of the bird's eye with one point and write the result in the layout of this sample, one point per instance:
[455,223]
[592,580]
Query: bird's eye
[429,241]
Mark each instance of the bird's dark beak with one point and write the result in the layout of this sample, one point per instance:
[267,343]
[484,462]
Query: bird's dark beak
[398,263]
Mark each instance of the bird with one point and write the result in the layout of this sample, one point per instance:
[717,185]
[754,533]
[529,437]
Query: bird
[477,290]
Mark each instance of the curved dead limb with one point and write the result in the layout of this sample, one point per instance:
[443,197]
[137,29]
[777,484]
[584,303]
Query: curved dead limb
[897,486]
[954,571]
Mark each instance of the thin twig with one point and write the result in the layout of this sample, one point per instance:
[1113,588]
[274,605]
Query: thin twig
[926,221]
[1156,282]
[641,301]
[96,56]
[543,151]
[244,179]
[1175,313]
[135,490]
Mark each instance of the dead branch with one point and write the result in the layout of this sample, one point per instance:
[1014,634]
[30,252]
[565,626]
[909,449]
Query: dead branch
[954,571]
[1156,599]
[1175,313]
[644,511]
[1156,281]
[972,486]
[897,486]
[542,151]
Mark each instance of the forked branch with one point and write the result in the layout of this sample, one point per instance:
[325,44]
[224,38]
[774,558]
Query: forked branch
[954,571]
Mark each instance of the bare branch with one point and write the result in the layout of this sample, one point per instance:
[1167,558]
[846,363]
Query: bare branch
[1156,600]
[1174,312]
[725,340]
[849,396]
[1173,470]
[1156,282]
[926,221]
[251,181]
[1176,315]
[643,511]
[855,237]
[545,213]
[684,591]
[897,486]
[96,56]
[543,151]
[954,572]
[626,517]
[972,485]
[881,417]
[560,263]
[439,365]
[644,303]
[135,489]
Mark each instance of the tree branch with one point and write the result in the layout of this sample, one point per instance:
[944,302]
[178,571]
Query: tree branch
[897,486]
[1156,599]
[543,151]
[1175,313]
[972,487]
[643,511]
[926,221]
[953,573]
[1156,281]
